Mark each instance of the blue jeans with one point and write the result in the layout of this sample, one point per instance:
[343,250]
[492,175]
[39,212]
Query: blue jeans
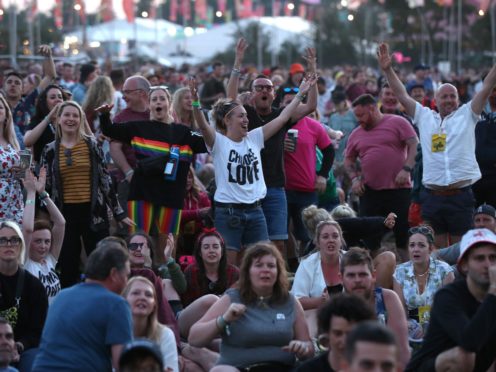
[241,227]
[297,201]
[276,213]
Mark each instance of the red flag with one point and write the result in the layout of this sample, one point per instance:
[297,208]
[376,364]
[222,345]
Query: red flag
[259,11]
[186,9]
[201,9]
[247,8]
[276,8]
[128,6]
[32,10]
[152,12]
[57,14]
[82,10]
[221,5]
[288,12]
[302,11]
[173,11]
[106,10]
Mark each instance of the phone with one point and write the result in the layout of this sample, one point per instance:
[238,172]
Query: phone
[26,159]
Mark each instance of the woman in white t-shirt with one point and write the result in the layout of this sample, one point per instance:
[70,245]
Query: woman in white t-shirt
[238,169]
[43,238]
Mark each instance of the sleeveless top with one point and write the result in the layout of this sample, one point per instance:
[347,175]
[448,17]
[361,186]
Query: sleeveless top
[380,306]
[259,334]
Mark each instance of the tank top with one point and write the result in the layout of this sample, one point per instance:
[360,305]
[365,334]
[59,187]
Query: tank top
[380,306]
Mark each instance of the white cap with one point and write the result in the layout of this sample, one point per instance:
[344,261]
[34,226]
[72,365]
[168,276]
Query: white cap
[473,237]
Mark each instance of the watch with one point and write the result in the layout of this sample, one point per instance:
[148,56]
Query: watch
[407,168]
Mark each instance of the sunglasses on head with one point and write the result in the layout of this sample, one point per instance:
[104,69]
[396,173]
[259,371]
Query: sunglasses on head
[135,246]
[424,230]
[159,87]
[291,90]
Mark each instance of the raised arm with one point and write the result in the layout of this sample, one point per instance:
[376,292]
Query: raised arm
[385,62]
[49,72]
[273,126]
[56,216]
[481,96]
[233,83]
[32,136]
[29,209]
[311,105]
[208,131]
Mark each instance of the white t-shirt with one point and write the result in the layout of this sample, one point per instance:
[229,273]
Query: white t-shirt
[45,272]
[238,168]
[169,349]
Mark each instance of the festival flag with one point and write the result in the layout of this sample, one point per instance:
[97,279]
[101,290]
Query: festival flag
[287,11]
[173,11]
[128,6]
[247,8]
[259,11]
[276,8]
[221,5]
[444,2]
[106,10]
[152,11]
[201,10]
[186,9]
[57,14]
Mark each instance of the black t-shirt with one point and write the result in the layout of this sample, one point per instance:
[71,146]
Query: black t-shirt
[153,142]
[32,310]
[211,88]
[273,153]
[46,137]
[458,319]
[317,364]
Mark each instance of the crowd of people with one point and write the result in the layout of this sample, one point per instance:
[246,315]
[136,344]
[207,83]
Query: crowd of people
[250,221]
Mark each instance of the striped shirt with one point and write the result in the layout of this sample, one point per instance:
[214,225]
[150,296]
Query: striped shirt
[75,172]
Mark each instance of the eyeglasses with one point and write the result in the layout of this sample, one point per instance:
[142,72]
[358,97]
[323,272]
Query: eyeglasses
[135,246]
[68,157]
[260,88]
[424,230]
[291,90]
[14,241]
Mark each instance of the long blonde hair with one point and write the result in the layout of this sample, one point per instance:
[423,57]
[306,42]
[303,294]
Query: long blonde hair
[153,330]
[14,226]
[100,91]
[84,128]
[8,132]
[182,116]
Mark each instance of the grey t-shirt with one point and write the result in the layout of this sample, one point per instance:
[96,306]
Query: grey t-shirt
[449,255]
[259,334]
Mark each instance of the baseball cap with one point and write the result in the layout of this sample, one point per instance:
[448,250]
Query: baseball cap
[421,66]
[486,209]
[295,68]
[141,347]
[473,237]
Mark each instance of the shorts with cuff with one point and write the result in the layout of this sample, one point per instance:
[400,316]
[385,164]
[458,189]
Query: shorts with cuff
[241,227]
[276,213]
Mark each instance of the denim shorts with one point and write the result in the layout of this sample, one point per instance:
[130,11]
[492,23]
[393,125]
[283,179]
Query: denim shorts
[241,227]
[276,213]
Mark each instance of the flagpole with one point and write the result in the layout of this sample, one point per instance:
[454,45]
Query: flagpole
[13,34]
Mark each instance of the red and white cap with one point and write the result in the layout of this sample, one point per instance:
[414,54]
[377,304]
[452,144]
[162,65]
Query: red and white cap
[473,237]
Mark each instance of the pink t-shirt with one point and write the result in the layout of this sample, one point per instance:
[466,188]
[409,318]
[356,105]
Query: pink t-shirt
[382,151]
[300,165]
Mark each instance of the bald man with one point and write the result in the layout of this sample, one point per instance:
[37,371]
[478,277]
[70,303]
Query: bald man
[448,147]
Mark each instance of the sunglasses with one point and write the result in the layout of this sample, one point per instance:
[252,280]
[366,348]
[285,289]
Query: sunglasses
[291,90]
[135,246]
[260,88]
[427,232]
[68,157]
[13,241]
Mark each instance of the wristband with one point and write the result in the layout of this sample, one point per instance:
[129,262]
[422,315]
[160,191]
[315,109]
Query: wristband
[129,173]
[29,201]
[236,71]
[299,96]
[196,104]
[43,195]
[222,325]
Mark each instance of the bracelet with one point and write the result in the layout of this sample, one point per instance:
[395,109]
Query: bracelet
[356,178]
[222,325]
[196,104]
[29,202]
[299,96]
[43,195]
[129,173]
[235,71]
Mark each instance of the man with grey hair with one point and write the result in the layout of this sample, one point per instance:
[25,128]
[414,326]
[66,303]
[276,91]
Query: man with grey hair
[135,92]
[448,147]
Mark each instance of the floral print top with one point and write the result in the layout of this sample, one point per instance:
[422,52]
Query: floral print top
[405,276]
[11,200]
